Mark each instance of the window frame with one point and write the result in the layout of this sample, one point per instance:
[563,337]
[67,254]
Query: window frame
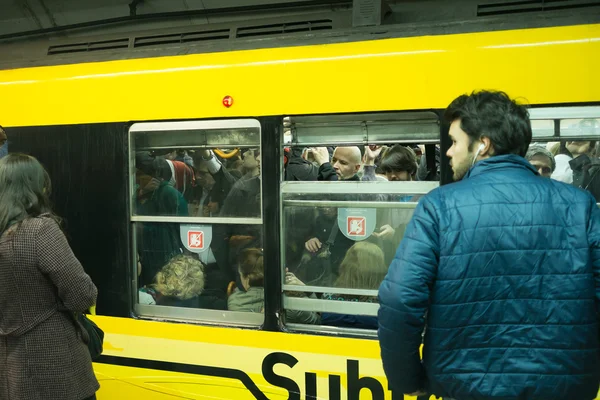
[324,188]
[184,314]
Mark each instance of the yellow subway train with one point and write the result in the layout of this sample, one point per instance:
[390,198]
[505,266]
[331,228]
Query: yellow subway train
[87,123]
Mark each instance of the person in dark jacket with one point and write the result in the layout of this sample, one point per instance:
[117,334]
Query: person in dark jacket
[243,201]
[344,166]
[215,183]
[299,169]
[503,270]
[326,242]
[158,242]
[42,353]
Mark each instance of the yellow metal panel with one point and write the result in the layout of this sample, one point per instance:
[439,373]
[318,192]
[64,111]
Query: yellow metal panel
[124,327]
[548,65]
[232,349]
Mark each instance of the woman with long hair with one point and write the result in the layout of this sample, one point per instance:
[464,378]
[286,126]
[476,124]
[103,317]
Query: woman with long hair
[42,353]
[363,267]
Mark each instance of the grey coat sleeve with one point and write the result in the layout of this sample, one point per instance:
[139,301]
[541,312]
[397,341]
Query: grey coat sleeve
[59,264]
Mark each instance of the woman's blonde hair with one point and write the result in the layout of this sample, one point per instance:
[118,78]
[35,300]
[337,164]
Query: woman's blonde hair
[182,277]
[363,267]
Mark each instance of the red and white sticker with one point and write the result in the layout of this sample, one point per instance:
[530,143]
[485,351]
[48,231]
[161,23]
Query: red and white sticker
[195,240]
[357,226]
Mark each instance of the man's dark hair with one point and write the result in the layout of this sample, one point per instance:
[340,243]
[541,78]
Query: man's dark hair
[399,158]
[494,115]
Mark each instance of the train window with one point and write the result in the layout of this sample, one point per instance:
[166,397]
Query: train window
[542,128]
[196,214]
[573,150]
[586,127]
[350,186]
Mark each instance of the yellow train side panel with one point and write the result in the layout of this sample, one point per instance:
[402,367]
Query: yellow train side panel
[217,351]
[198,362]
[547,65]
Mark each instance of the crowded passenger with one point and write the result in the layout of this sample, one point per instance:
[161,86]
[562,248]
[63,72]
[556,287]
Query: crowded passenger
[398,163]
[344,166]
[182,282]
[251,298]
[541,159]
[157,242]
[235,167]
[363,267]
[575,155]
[300,167]
[181,177]
[244,198]
[426,172]
[214,184]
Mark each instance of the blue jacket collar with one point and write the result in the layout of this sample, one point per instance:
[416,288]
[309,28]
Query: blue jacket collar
[500,162]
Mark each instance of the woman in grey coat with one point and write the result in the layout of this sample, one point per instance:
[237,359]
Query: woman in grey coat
[42,355]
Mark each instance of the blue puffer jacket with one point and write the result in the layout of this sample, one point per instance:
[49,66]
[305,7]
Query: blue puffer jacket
[504,269]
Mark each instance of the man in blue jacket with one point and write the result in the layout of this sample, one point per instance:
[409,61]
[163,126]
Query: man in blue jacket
[503,270]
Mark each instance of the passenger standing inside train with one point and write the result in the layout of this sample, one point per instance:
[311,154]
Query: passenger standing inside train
[541,159]
[399,164]
[326,241]
[215,183]
[344,166]
[157,242]
[574,155]
[299,168]
[244,198]
[42,355]
[503,270]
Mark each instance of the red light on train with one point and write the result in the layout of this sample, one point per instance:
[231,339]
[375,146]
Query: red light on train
[227,101]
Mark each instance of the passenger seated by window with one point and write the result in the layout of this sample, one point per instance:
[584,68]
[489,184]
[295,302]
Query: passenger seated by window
[362,268]
[251,270]
[178,283]
[181,283]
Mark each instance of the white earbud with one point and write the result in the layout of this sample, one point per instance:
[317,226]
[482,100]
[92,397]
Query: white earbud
[481,147]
